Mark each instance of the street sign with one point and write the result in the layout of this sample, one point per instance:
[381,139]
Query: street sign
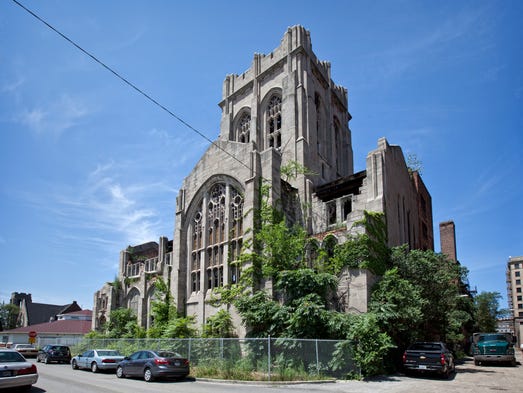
[32,334]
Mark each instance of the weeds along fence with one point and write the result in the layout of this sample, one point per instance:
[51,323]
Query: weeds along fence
[247,358]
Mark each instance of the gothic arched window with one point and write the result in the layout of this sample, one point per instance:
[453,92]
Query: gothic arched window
[337,146]
[320,134]
[197,245]
[273,122]
[216,238]
[134,300]
[243,128]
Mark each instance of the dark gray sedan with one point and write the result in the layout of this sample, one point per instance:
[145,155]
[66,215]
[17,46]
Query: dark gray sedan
[153,364]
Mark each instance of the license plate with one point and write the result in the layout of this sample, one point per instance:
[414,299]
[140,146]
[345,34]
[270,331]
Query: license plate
[422,367]
[5,373]
[176,363]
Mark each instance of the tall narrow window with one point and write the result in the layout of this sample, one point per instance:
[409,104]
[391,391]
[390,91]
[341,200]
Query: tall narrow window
[320,142]
[347,207]
[244,128]
[331,212]
[196,250]
[134,300]
[273,117]
[237,214]
[337,146]
[216,221]
[236,234]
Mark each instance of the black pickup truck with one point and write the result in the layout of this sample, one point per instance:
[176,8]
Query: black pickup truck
[432,357]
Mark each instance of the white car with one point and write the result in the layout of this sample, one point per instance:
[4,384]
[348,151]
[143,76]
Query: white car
[27,350]
[15,371]
[97,359]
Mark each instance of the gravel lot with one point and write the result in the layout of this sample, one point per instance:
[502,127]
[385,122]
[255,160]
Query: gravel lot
[468,378]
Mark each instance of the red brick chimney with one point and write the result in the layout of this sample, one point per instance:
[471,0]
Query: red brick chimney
[447,239]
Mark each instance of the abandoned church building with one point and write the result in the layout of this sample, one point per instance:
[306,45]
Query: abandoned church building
[284,109]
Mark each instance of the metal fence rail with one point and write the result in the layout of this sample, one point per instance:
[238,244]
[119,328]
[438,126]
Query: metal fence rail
[267,358]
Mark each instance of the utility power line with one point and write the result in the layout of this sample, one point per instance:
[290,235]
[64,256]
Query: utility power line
[130,84]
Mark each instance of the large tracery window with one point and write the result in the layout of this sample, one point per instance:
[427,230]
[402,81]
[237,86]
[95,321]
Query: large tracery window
[273,117]
[223,237]
[243,130]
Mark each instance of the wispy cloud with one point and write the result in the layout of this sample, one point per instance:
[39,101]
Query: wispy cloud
[13,85]
[445,42]
[55,118]
[485,183]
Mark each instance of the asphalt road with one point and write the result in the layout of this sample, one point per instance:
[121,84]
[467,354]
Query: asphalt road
[55,378]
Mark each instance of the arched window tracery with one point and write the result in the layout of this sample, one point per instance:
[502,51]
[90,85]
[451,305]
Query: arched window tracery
[243,129]
[273,122]
[221,213]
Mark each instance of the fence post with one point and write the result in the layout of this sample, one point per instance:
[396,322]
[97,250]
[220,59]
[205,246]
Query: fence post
[189,350]
[269,357]
[317,359]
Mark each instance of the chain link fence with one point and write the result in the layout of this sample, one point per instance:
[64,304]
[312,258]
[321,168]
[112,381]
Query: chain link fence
[268,359]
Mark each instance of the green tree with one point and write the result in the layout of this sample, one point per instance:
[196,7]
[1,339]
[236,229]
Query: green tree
[219,325]
[487,310]
[162,309]
[398,305]
[437,279]
[123,323]
[370,344]
[8,316]
[366,251]
[180,327]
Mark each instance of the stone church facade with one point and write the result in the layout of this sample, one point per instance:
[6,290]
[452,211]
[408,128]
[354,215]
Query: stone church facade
[284,109]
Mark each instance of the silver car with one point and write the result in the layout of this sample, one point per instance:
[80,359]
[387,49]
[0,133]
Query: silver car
[15,371]
[97,359]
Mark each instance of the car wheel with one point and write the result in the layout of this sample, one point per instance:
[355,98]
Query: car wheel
[46,360]
[74,365]
[476,362]
[148,375]
[37,359]
[119,372]
[94,367]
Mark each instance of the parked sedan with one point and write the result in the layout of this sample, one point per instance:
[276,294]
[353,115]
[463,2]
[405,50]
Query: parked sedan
[97,359]
[27,350]
[153,364]
[54,353]
[15,371]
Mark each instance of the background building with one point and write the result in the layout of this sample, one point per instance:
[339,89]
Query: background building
[33,313]
[515,293]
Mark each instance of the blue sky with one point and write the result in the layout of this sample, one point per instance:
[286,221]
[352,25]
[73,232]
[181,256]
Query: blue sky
[89,166]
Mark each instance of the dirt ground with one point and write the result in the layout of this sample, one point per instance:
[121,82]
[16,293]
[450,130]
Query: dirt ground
[468,378]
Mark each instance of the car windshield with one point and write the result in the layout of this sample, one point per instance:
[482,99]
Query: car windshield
[108,353]
[23,346]
[10,357]
[493,337]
